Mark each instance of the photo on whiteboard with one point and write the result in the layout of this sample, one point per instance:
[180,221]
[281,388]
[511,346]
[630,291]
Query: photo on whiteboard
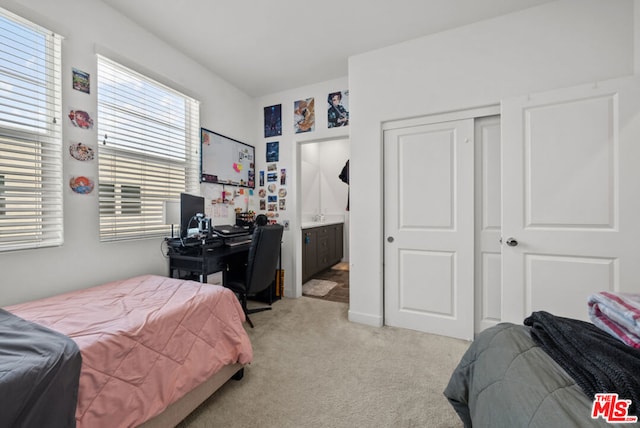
[251,175]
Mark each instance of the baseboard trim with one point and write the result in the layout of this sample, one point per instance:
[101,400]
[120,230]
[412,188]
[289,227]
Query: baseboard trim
[368,319]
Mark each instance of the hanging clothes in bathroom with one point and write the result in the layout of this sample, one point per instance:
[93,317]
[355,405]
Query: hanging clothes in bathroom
[344,176]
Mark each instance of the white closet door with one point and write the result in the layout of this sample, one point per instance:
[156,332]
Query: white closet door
[488,259]
[428,208]
[571,197]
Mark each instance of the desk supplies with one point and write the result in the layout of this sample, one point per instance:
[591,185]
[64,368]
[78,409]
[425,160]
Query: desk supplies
[231,230]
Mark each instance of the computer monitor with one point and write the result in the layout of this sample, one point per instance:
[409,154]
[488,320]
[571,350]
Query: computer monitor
[190,205]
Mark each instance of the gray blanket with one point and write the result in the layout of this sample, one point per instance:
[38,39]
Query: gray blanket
[506,380]
[39,375]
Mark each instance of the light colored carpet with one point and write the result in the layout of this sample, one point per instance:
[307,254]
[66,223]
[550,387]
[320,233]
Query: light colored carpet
[317,287]
[314,368]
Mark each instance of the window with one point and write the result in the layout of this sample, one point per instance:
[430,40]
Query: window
[30,135]
[148,151]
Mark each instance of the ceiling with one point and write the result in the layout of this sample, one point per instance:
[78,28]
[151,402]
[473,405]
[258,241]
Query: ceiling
[263,47]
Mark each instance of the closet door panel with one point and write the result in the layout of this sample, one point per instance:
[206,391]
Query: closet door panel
[428,206]
[488,219]
[570,197]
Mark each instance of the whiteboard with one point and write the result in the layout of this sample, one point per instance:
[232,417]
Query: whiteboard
[224,160]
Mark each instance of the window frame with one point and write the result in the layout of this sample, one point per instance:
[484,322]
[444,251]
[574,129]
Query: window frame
[30,136]
[137,170]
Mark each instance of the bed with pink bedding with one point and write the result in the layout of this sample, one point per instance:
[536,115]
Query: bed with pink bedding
[146,344]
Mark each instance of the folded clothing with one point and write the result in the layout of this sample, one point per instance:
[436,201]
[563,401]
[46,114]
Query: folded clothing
[618,314]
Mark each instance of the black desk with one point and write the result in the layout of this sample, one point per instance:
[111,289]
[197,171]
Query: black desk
[205,258]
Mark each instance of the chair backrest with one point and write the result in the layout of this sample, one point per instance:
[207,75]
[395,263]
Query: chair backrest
[263,257]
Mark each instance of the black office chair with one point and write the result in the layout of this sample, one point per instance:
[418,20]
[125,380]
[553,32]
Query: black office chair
[260,271]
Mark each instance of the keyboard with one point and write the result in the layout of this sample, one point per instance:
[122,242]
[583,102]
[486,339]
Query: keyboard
[233,243]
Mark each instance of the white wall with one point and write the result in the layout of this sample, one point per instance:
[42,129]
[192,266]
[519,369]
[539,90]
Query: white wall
[555,45]
[89,26]
[322,190]
[310,180]
[290,158]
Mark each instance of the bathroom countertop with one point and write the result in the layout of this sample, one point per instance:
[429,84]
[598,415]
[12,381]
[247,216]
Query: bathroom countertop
[312,224]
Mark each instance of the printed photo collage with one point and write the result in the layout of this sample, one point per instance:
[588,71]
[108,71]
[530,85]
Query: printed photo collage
[81,152]
[272,188]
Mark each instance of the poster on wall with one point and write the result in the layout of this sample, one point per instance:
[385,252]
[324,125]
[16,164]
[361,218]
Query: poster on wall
[273,121]
[80,119]
[81,81]
[81,185]
[304,116]
[273,151]
[338,111]
[81,152]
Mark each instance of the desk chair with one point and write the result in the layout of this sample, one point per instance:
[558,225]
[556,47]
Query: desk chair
[260,270]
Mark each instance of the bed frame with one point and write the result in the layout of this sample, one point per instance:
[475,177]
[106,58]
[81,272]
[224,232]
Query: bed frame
[179,410]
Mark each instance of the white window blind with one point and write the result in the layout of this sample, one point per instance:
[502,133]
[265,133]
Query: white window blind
[30,135]
[148,151]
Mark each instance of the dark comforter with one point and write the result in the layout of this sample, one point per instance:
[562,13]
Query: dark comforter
[506,380]
[39,374]
[595,360]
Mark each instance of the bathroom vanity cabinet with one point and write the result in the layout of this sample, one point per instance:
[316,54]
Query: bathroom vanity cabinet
[322,247]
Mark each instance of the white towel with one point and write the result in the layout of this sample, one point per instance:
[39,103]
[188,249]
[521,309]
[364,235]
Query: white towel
[618,314]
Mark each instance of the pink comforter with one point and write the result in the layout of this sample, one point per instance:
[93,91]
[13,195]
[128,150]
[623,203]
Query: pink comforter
[145,342]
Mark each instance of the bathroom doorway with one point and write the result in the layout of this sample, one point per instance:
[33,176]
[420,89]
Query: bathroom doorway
[324,219]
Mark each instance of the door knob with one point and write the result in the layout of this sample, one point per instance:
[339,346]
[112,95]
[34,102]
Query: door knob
[390,239]
[511,242]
